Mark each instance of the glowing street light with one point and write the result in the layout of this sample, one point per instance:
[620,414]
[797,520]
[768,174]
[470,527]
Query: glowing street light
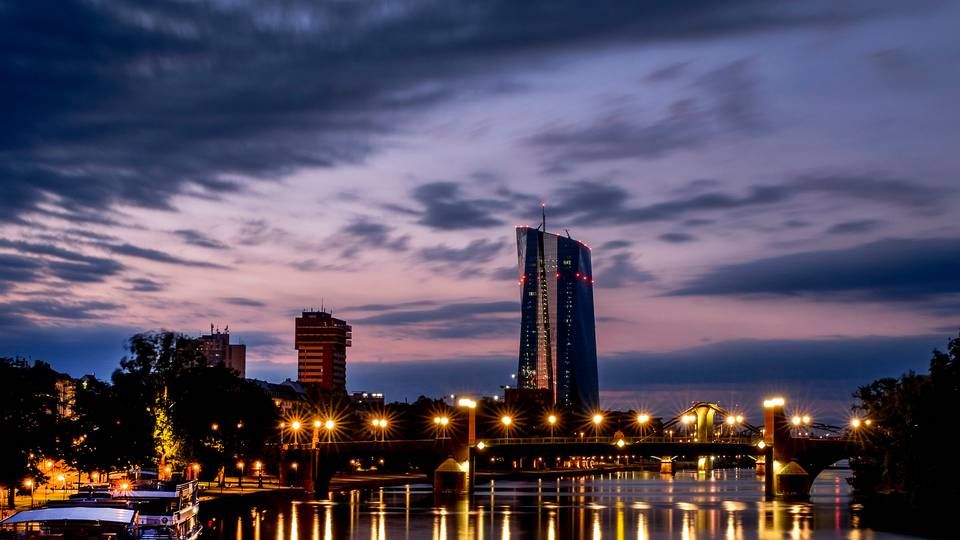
[507,422]
[381,424]
[597,420]
[28,483]
[441,423]
[796,420]
[552,421]
[329,424]
[855,423]
[240,476]
[295,426]
[471,406]
[806,420]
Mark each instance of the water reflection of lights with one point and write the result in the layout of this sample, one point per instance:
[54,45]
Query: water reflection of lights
[552,525]
[733,506]
[505,528]
[689,507]
[640,505]
[597,532]
[643,529]
[328,523]
[294,527]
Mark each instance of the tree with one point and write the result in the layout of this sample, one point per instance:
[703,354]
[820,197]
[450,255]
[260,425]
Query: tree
[904,456]
[29,420]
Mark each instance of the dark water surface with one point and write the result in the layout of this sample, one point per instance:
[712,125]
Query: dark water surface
[724,504]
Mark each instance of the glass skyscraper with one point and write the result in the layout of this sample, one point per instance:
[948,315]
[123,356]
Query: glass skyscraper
[558,343]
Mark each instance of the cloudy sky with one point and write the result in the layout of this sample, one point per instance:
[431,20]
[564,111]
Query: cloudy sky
[769,187]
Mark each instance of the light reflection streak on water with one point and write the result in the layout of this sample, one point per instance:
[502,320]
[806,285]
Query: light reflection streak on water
[294,527]
[642,528]
[614,506]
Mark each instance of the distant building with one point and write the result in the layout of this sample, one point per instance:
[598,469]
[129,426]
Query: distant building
[66,396]
[217,349]
[321,342]
[369,400]
[288,396]
[558,344]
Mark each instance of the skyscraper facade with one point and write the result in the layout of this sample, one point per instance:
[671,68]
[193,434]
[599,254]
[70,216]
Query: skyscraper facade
[321,341]
[558,344]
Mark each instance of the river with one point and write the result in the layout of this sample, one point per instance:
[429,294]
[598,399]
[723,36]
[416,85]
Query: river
[724,504]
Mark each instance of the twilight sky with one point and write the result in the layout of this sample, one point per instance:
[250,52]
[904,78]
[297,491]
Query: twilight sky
[769,187]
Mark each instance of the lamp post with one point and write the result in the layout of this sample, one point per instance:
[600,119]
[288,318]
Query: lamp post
[507,422]
[471,406]
[240,476]
[259,467]
[597,420]
[552,422]
[441,423]
[29,484]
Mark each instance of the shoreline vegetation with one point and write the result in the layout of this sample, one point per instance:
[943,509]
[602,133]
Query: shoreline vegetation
[905,468]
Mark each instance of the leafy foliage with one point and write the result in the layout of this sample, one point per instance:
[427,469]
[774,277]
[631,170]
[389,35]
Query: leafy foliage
[906,446]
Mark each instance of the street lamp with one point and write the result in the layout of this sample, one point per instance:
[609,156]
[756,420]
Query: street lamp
[381,424]
[258,466]
[240,476]
[29,484]
[471,406]
[855,423]
[597,420]
[441,423]
[552,421]
[507,422]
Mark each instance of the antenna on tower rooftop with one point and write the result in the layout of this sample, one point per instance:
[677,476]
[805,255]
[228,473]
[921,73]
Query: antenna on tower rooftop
[543,212]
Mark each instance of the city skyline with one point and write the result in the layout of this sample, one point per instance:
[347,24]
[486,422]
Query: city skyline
[769,190]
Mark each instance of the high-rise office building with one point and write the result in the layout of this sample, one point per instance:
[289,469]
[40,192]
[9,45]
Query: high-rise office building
[321,342]
[217,348]
[558,344]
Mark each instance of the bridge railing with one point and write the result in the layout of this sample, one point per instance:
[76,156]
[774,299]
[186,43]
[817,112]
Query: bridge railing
[613,441]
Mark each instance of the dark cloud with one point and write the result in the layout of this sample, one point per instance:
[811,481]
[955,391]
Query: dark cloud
[505,273]
[891,269]
[858,226]
[240,301]
[615,136]
[54,309]
[615,244]
[15,269]
[677,237]
[451,321]
[254,232]
[390,307]
[197,238]
[733,88]
[445,206]
[174,98]
[130,250]
[477,251]
[145,285]
[668,72]
[593,202]
[364,233]
[51,260]
[897,66]
[620,270]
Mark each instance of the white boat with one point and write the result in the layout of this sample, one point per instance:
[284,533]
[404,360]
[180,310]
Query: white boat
[72,523]
[166,510]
